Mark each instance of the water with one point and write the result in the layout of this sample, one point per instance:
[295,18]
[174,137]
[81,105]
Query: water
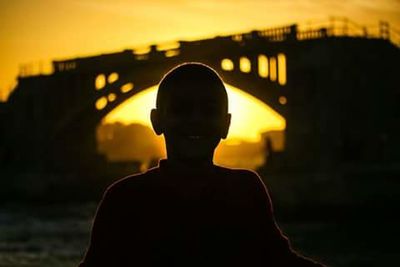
[57,235]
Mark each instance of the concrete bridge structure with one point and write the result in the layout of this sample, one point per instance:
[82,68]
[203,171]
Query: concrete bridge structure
[337,88]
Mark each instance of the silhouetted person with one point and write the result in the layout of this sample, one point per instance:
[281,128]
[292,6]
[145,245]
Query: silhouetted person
[188,211]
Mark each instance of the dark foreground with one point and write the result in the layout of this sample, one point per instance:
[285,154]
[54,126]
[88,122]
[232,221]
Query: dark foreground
[57,235]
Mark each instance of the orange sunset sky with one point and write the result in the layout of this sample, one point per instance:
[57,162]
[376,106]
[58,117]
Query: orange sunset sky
[33,31]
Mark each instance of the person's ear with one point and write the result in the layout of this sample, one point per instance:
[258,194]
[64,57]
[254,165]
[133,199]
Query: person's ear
[156,122]
[225,126]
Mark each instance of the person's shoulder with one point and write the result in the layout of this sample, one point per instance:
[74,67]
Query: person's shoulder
[132,182]
[241,175]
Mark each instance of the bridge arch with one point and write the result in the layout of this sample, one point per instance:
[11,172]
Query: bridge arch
[262,76]
[129,124]
[247,112]
[55,116]
[258,79]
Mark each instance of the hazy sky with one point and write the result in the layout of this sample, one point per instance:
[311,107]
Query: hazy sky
[42,30]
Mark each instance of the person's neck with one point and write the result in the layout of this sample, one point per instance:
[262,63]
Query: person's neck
[186,163]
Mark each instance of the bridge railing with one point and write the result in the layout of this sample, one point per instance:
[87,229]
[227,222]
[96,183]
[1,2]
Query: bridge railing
[312,34]
[279,34]
[334,27]
[344,27]
[35,68]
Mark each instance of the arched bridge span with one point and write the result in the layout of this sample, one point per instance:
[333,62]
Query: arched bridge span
[320,82]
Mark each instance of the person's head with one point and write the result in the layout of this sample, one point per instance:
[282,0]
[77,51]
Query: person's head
[191,111]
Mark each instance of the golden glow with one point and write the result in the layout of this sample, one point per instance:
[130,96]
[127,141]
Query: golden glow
[142,50]
[282,100]
[281,69]
[240,154]
[101,103]
[113,77]
[30,30]
[276,139]
[237,38]
[111,97]
[100,81]
[126,87]
[272,69]
[172,53]
[245,64]
[250,116]
[227,64]
[263,66]
[168,46]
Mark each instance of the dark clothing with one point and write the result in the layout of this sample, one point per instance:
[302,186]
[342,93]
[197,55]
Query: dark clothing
[179,217]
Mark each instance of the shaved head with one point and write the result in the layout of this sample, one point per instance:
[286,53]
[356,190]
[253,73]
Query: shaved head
[191,80]
[192,112]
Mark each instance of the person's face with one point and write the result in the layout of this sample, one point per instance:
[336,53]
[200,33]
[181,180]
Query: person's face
[194,120]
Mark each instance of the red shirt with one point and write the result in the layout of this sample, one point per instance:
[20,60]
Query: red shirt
[171,216]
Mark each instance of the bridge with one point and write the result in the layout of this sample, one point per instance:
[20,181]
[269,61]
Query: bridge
[336,86]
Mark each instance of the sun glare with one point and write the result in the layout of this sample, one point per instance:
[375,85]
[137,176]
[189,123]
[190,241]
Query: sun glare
[250,116]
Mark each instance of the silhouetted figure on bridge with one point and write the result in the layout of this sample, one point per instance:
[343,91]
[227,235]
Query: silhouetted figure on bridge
[188,211]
